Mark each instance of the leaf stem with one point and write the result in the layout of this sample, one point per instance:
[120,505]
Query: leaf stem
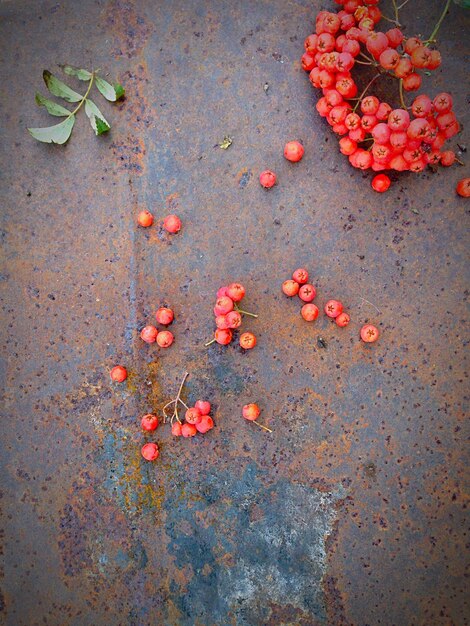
[441,19]
[77,108]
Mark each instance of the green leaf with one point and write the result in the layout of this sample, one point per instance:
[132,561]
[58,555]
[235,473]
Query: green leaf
[97,119]
[54,134]
[463,3]
[108,91]
[52,107]
[60,89]
[75,71]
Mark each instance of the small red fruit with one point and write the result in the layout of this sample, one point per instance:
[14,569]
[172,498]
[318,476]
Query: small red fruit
[342,320]
[193,415]
[247,341]
[290,288]
[176,429]
[333,308]
[447,158]
[165,339]
[188,430]
[307,293]
[309,312]
[149,334]
[206,424]
[369,333]
[251,412]
[223,305]
[172,223]
[463,188]
[233,319]
[221,291]
[150,451]
[267,179]
[118,374]
[164,316]
[145,219]
[236,292]
[300,276]
[221,322]
[381,183]
[293,151]
[203,406]
[149,422]
[223,336]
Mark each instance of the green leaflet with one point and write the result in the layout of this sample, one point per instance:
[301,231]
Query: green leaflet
[54,134]
[52,107]
[60,89]
[108,91]
[75,71]
[97,119]
[463,3]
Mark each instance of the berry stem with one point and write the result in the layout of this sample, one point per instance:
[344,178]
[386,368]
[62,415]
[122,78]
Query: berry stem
[403,4]
[365,91]
[402,99]
[395,8]
[459,161]
[438,25]
[245,312]
[209,342]
[175,415]
[263,427]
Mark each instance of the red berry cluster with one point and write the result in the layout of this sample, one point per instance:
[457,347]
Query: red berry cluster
[151,334]
[228,316]
[197,420]
[399,141]
[298,286]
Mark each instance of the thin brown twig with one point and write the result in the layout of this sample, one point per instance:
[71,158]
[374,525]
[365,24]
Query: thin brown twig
[175,415]
[378,310]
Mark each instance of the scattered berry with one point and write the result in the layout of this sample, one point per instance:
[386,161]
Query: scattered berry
[307,293]
[172,224]
[236,292]
[293,151]
[290,288]
[369,333]
[223,336]
[164,316]
[165,338]
[149,422]
[251,412]
[118,374]
[149,334]
[300,276]
[145,219]
[267,179]
[333,308]
[380,183]
[342,320]
[150,451]
[463,188]
[247,341]
[309,312]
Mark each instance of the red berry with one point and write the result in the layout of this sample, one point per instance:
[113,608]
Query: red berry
[222,291]
[342,320]
[395,37]
[165,339]
[293,151]
[309,312]
[300,276]
[370,105]
[412,82]
[145,219]
[251,412]
[149,422]
[118,374]
[172,223]
[383,111]
[307,61]
[206,424]
[420,57]
[176,429]
[307,293]
[442,102]
[150,451]
[403,68]
[310,43]
[380,183]
[435,60]
[399,119]
[267,179]
[290,288]
[222,322]
[223,305]
[188,430]
[463,188]
[411,44]
[236,292]
[223,336]
[347,146]
[247,341]
[149,334]
[381,133]
[203,406]
[233,319]
[447,158]
[326,42]
[333,308]
[422,106]
[164,316]
[376,43]
[192,415]
[369,333]
[389,59]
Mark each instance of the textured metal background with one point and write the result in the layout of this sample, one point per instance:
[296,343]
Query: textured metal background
[354,510]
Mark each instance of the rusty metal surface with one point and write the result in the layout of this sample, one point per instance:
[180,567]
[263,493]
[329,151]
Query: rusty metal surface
[354,510]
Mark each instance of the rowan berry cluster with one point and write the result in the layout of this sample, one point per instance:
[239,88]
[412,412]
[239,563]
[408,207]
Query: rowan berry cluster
[228,317]
[151,334]
[374,134]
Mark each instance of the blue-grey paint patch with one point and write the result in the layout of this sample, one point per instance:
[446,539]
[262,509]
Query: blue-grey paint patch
[250,548]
